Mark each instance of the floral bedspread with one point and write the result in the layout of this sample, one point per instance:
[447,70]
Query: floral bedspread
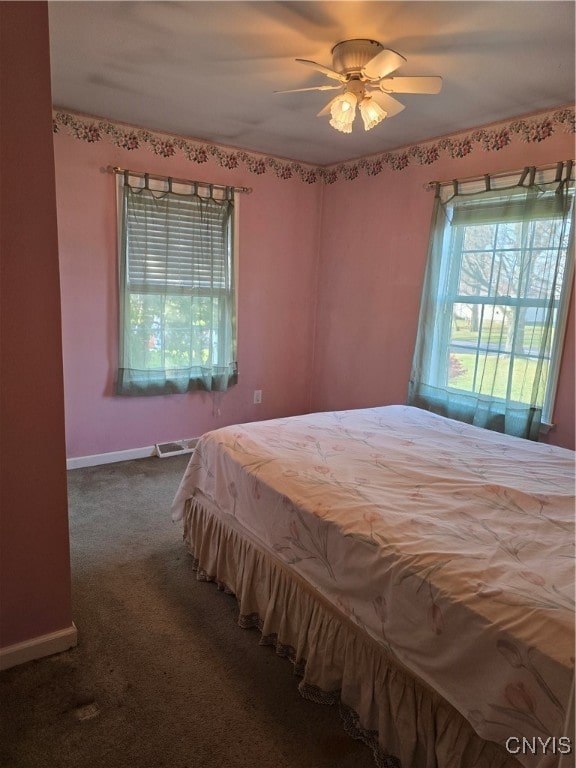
[450,545]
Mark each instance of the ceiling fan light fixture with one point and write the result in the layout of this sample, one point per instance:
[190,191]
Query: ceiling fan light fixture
[372,113]
[343,111]
[341,125]
[365,71]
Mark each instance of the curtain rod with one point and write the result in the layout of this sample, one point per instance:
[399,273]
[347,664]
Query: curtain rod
[569,164]
[142,174]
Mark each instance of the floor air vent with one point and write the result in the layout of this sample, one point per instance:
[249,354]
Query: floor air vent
[176,447]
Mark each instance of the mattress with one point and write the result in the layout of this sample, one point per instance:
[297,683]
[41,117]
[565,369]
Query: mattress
[450,547]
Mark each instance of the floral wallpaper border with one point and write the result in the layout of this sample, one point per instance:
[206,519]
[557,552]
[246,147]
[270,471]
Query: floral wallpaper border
[530,130]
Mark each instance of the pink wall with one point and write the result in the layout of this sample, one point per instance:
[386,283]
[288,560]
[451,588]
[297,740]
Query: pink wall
[372,258]
[329,290]
[35,562]
[278,237]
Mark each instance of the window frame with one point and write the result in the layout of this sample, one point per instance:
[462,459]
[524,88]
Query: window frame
[226,297]
[453,254]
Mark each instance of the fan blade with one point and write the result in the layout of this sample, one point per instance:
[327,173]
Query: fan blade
[313,88]
[382,64]
[388,104]
[321,68]
[411,85]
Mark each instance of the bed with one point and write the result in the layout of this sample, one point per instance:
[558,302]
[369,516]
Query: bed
[418,572]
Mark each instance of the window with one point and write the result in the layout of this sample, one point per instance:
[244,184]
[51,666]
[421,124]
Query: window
[177,297]
[494,304]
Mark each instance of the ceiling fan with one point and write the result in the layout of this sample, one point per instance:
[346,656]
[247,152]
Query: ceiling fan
[363,69]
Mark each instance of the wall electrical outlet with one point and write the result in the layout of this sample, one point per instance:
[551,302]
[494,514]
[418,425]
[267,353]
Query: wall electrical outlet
[257,396]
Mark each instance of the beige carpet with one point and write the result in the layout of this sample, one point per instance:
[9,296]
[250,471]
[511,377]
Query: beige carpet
[162,675]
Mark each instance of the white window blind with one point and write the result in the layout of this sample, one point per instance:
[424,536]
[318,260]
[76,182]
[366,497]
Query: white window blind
[176,243]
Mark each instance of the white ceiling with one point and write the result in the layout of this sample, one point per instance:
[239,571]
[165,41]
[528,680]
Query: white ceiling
[209,69]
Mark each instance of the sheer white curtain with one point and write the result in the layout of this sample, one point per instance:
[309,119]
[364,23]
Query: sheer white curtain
[177,289]
[494,301]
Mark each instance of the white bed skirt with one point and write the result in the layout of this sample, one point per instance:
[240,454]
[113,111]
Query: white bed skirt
[404,723]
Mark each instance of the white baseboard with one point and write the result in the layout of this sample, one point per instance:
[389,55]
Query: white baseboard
[110,458]
[38,647]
